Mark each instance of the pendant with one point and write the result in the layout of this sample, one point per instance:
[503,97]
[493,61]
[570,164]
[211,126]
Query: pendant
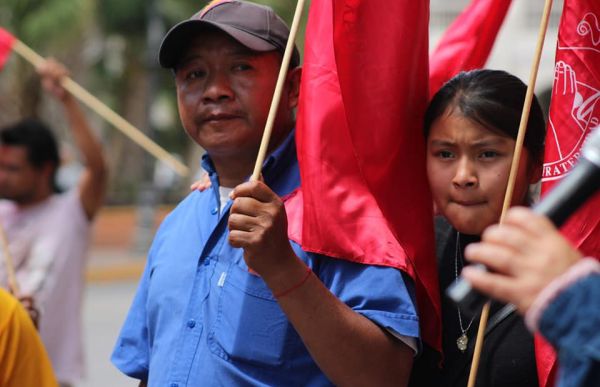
[462,342]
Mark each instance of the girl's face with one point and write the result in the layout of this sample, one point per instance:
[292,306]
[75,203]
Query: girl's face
[468,168]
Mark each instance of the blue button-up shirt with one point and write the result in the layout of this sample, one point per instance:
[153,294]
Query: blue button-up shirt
[200,318]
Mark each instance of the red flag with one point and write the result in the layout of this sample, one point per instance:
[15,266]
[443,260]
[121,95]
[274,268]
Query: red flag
[365,196]
[6,44]
[467,43]
[574,113]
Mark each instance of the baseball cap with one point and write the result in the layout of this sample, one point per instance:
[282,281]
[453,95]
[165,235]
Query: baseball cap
[255,26]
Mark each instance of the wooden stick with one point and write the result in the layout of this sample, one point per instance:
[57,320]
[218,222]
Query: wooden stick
[513,173]
[483,320]
[13,285]
[285,63]
[105,112]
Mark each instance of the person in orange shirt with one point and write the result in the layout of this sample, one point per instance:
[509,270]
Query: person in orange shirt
[23,358]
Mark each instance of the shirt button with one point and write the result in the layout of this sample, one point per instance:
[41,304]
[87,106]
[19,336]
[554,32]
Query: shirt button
[214,211]
[206,262]
[191,324]
[174,385]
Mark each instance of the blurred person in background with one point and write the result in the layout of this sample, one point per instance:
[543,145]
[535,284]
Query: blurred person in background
[49,231]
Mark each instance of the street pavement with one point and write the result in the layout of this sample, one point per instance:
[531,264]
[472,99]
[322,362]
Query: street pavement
[105,308]
[112,278]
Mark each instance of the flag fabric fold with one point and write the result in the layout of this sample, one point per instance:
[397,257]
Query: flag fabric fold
[574,114]
[6,43]
[467,43]
[364,195]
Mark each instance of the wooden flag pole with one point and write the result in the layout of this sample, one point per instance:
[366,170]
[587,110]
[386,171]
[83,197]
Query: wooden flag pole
[513,174]
[285,63]
[108,114]
[13,285]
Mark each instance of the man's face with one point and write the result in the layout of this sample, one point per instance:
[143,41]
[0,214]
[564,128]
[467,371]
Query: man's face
[19,180]
[224,92]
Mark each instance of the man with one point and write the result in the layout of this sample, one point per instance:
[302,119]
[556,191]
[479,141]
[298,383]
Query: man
[49,232]
[225,299]
[557,290]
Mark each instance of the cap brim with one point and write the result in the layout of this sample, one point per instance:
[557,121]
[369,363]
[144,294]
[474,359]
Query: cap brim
[179,37]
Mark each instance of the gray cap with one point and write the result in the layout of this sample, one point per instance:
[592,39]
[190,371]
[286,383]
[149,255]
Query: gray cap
[255,26]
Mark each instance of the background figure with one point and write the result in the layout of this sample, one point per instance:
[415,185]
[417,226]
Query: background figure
[48,231]
[22,355]
[537,269]
[471,125]
[225,298]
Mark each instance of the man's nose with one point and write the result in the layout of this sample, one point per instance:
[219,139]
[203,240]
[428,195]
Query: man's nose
[217,88]
[466,174]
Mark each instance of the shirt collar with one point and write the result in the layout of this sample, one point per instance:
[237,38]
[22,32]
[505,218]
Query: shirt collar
[281,157]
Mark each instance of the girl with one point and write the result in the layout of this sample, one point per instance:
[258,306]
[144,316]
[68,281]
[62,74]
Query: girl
[471,126]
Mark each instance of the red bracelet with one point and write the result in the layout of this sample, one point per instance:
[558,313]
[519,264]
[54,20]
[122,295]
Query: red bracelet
[289,290]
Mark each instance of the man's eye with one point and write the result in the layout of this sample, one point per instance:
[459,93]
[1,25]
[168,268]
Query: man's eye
[242,67]
[194,74]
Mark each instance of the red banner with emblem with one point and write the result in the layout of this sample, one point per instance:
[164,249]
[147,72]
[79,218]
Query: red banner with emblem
[574,114]
[6,43]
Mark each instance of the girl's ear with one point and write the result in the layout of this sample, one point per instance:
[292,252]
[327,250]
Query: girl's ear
[535,170]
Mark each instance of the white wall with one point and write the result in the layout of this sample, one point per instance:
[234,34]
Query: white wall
[517,40]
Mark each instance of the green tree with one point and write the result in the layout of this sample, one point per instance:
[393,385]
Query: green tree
[50,27]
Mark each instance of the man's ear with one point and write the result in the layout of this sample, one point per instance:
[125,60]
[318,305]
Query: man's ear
[293,80]
[48,171]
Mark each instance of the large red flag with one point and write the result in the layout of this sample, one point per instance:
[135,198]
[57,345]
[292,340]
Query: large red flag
[361,150]
[467,43]
[6,43]
[574,113]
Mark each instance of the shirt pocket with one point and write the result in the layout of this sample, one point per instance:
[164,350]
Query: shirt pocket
[250,327]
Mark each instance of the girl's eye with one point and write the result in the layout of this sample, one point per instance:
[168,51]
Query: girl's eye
[489,154]
[444,154]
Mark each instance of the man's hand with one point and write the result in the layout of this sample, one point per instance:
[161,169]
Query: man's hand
[92,186]
[29,305]
[52,73]
[258,224]
[525,254]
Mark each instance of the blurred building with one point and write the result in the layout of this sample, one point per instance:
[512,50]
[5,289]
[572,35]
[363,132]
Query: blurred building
[517,40]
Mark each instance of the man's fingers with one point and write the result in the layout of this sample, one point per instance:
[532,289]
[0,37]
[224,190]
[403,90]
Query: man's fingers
[246,206]
[254,189]
[241,239]
[240,222]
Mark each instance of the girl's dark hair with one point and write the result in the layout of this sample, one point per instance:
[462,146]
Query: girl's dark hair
[493,99]
[37,139]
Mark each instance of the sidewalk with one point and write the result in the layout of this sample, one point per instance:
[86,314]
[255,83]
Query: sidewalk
[114,264]
[113,256]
